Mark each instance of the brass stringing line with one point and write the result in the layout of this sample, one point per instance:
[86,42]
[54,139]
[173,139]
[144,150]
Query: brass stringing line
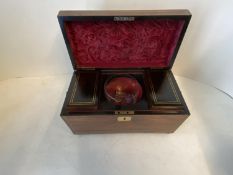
[83,103]
[153,91]
[94,95]
[74,90]
[173,88]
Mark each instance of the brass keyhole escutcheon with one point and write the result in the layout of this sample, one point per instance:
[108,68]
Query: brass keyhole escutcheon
[124,118]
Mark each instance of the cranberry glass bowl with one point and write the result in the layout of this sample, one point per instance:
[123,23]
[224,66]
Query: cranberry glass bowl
[122,90]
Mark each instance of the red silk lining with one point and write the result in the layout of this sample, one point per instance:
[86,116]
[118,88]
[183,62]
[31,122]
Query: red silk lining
[110,44]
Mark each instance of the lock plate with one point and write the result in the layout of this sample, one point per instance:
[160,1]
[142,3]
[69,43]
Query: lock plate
[124,112]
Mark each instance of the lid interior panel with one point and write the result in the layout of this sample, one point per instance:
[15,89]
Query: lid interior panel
[123,44]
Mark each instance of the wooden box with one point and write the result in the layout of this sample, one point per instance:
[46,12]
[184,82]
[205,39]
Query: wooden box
[142,44]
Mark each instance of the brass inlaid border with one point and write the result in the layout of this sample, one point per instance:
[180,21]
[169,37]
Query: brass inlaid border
[173,90]
[92,102]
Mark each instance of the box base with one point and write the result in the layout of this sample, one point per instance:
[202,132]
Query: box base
[112,124]
[162,108]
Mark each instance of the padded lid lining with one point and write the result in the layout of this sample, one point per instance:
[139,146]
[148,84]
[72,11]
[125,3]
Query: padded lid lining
[128,44]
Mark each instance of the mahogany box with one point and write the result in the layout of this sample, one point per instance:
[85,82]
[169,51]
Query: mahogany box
[135,43]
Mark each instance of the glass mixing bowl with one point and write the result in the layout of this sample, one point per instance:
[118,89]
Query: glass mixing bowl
[122,90]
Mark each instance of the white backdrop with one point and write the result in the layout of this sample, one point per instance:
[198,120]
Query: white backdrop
[31,43]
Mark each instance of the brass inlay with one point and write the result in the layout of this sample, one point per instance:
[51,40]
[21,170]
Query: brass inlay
[124,112]
[71,102]
[173,90]
[124,118]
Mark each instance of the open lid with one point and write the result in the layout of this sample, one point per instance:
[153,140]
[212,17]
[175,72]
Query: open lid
[123,39]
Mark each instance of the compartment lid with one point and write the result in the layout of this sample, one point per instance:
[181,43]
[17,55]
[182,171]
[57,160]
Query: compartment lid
[123,39]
